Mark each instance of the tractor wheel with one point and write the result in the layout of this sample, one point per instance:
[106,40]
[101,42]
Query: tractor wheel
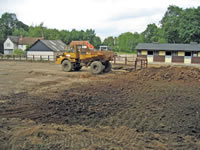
[67,66]
[108,67]
[96,67]
[78,68]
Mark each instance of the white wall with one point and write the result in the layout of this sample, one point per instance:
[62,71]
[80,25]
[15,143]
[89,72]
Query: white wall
[23,47]
[8,44]
[44,55]
[8,51]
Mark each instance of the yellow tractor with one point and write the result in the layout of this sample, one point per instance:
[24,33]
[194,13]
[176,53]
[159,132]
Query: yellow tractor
[82,53]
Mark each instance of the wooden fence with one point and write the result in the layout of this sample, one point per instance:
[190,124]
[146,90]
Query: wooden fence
[116,60]
[120,60]
[48,58]
[126,60]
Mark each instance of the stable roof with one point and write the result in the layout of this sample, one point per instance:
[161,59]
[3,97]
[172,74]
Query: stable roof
[168,47]
[48,45]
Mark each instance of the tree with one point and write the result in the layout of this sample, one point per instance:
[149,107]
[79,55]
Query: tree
[9,23]
[170,24]
[126,42]
[109,41]
[153,34]
[189,27]
[96,42]
[19,52]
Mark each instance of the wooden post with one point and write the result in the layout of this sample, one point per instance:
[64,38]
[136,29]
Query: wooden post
[48,57]
[26,57]
[114,59]
[141,64]
[40,58]
[146,63]
[20,57]
[136,64]
[33,57]
[126,60]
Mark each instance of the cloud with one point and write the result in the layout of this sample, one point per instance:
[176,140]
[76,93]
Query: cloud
[106,17]
[137,14]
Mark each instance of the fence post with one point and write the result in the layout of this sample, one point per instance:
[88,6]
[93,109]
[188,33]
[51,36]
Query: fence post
[20,57]
[146,63]
[40,58]
[135,64]
[48,57]
[26,57]
[114,59]
[126,60]
[33,57]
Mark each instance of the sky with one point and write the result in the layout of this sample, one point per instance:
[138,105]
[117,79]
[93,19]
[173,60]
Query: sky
[106,17]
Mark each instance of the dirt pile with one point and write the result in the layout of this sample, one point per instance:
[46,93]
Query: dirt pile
[170,73]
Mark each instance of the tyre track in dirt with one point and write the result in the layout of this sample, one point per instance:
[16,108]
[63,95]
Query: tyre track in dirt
[162,101]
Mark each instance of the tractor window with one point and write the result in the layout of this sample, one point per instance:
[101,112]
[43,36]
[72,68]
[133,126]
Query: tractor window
[72,50]
[83,51]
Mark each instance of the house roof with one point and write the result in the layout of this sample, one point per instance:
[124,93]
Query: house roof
[24,40]
[55,45]
[14,39]
[170,47]
[29,40]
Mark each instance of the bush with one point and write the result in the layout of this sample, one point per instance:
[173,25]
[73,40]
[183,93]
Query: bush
[18,52]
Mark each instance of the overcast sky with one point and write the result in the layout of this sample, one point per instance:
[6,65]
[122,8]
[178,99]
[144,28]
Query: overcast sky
[106,17]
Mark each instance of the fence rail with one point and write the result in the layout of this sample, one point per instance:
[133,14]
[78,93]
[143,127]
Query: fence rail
[116,60]
[28,57]
[126,60]
[121,60]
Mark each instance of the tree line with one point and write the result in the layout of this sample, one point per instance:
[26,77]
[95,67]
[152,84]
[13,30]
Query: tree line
[177,26]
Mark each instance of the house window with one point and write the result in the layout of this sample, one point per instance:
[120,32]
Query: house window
[156,53]
[187,53]
[175,53]
[139,52]
[168,53]
[195,54]
[150,52]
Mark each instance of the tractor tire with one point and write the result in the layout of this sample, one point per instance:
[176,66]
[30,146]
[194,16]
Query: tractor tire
[96,67]
[66,66]
[108,67]
[78,68]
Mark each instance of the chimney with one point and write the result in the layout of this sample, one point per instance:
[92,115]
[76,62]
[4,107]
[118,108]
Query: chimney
[21,39]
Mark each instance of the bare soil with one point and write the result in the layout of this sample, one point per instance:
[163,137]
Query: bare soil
[42,107]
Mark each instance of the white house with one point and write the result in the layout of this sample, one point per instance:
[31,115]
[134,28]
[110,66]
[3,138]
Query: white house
[46,49]
[18,42]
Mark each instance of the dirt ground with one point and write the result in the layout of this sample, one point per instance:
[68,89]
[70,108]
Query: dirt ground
[43,108]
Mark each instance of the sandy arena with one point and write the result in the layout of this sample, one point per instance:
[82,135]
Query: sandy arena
[42,107]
